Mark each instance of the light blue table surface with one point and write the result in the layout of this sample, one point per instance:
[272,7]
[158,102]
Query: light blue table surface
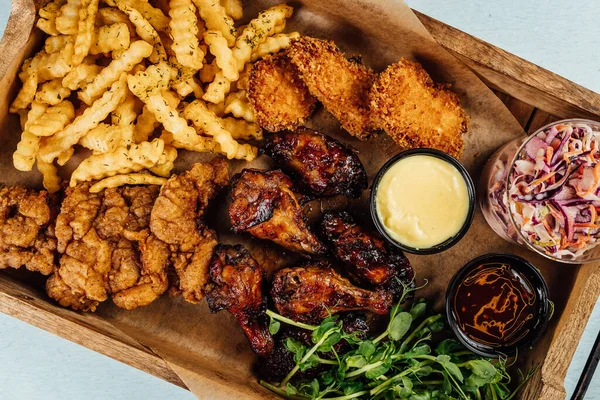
[562,36]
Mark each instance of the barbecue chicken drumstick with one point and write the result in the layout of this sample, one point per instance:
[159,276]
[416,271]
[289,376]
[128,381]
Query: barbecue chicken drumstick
[311,292]
[236,285]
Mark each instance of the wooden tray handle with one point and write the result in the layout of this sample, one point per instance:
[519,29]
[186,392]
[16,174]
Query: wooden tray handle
[18,29]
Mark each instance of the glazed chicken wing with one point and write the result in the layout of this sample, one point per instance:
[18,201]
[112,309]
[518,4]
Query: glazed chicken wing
[263,204]
[310,292]
[27,229]
[365,255]
[279,97]
[176,219]
[340,84]
[236,285]
[324,166]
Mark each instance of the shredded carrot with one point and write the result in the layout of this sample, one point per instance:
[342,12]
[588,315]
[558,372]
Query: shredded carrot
[549,154]
[568,154]
[581,241]
[547,225]
[542,179]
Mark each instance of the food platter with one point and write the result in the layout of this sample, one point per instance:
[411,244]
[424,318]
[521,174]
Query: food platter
[174,348]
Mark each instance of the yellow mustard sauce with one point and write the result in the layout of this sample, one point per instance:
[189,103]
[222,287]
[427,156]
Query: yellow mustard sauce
[422,201]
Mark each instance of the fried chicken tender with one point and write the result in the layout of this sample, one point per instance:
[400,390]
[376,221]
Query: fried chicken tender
[27,229]
[137,278]
[416,112]
[279,97]
[176,219]
[107,249]
[340,84]
[81,280]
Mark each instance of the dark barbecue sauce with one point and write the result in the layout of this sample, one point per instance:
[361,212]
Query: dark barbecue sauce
[496,305]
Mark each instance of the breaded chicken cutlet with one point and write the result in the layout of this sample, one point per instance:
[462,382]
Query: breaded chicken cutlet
[341,85]
[27,229]
[279,97]
[416,112]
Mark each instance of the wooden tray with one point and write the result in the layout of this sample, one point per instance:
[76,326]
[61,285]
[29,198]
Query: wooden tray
[535,97]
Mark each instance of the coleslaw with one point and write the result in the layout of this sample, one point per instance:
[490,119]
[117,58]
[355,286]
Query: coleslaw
[553,190]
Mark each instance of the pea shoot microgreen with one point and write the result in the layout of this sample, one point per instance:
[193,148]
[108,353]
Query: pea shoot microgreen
[403,362]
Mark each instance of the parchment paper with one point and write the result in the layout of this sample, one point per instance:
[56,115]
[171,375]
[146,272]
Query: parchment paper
[209,352]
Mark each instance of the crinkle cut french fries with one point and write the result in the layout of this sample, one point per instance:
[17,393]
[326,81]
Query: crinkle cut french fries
[134,82]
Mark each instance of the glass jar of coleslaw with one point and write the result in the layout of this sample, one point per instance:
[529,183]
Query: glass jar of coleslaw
[543,191]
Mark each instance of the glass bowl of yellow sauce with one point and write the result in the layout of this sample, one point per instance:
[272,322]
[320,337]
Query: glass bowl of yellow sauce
[423,201]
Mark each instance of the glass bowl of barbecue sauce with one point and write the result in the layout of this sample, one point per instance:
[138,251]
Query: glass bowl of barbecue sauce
[498,304]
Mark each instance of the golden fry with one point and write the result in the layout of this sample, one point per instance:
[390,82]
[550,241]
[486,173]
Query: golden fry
[28,146]
[48,14]
[268,23]
[129,179]
[48,66]
[218,109]
[184,30]
[166,162]
[122,161]
[56,43]
[155,16]
[273,44]
[26,94]
[215,17]
[211,125]
[111,16]
[90,118]
[217,89]
[81,75]
[169,117]
[65,156]
[51,180]
[110,37]
[200,144]
[208,72]
[223,54]
[241,129]
[67,18]
[152,81]
[146,124]
[103,139]
[52,92]
[146,31]
[85,30]
[238,105]
[132,56]
[53,120]
[233,8]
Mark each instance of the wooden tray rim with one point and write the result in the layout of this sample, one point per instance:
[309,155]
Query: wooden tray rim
[500,70]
